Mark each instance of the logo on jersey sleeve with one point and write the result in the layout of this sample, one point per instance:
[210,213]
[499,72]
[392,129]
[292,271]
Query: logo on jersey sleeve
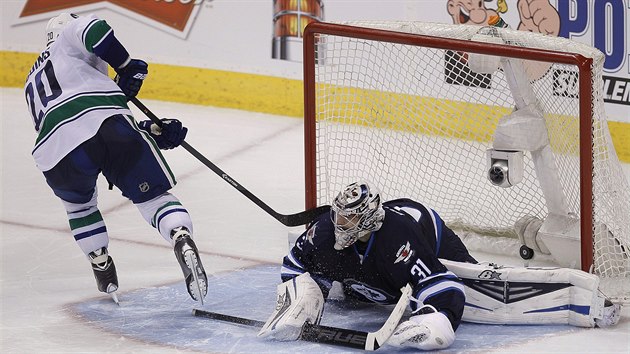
[310,234]
[404,253]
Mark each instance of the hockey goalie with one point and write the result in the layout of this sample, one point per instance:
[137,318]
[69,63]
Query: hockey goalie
[373,249]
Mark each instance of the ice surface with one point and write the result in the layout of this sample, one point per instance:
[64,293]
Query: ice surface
[49,299]
[248,293]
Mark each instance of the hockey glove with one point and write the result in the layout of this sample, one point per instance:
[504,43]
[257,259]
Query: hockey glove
[169,136]
[130,77]
[429,331]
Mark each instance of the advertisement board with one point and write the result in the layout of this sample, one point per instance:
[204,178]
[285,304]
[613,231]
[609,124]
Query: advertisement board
[246,54]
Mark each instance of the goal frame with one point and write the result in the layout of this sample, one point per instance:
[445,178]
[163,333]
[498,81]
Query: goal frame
[585,114]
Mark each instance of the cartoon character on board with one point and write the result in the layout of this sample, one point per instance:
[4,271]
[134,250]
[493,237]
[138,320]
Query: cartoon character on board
[535,15]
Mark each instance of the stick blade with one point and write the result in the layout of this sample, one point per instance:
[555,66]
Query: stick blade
[376,339]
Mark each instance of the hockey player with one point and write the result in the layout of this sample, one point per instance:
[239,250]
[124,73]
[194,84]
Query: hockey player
[84,127]
[374,249]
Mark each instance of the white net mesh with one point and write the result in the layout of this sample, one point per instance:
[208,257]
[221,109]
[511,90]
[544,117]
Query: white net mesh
[417,122]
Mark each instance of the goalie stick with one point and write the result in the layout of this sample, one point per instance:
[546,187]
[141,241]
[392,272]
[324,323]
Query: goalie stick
[333,335]
[297,219]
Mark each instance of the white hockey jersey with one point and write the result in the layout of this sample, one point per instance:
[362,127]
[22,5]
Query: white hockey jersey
[69,92]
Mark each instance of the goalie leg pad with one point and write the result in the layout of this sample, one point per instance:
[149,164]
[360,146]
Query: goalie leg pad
[429,331]
[518,295]
[299,300]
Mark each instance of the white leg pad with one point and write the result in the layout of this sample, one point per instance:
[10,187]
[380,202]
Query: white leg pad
[505,295]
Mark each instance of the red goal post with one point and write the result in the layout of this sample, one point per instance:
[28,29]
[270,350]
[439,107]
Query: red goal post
[336,94]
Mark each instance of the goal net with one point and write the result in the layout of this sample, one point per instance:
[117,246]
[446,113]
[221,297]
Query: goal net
[502,132]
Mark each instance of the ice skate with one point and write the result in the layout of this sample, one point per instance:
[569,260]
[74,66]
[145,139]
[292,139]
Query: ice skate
[104,272]
[188,257]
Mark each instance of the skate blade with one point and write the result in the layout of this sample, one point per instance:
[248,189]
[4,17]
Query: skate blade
[196,285]
[115,298]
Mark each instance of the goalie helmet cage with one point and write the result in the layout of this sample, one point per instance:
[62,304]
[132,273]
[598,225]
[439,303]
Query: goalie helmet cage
[397,104]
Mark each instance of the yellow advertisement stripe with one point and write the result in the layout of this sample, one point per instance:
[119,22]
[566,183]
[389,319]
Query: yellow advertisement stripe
[620,133]
[249,92]
[430,116]
[267,94]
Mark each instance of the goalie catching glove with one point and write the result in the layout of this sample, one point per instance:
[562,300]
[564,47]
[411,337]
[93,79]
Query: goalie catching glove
[169,136]
[300,300]
[426,329]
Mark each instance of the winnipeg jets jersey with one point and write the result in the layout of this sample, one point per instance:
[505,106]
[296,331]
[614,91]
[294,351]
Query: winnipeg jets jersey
[404,250]
[69,93]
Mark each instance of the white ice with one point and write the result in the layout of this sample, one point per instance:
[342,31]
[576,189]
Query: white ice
[45,277]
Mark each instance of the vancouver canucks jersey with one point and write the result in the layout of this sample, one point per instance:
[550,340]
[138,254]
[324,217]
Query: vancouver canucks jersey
[404,250]
[69,93]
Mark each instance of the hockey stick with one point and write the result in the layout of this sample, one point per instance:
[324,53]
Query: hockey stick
[333,335]
[297,219]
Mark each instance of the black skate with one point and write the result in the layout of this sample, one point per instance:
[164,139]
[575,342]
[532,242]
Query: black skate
[104,272]
[188,257]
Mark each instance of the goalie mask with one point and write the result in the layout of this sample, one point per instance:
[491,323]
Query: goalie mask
[356,211]
[56,25]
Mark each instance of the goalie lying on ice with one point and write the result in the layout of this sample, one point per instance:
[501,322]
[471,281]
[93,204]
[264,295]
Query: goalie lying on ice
[373,249]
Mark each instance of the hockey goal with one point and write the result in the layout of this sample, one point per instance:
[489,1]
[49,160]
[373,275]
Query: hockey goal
[502,132]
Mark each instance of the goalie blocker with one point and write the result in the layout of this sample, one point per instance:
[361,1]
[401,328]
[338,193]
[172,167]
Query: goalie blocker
[506,295]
